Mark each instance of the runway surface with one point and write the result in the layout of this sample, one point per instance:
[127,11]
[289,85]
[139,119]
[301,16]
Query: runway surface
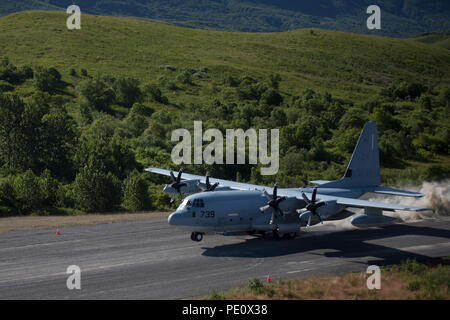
[152,260]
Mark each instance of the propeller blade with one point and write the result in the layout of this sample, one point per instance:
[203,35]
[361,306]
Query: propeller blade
[179,175]
[267,195]
[309,220]
[313,197]
[262,209]
[272,219]
[275,187]
[305,198]
[214,186]
[320,204]
[172,176]
[281,199]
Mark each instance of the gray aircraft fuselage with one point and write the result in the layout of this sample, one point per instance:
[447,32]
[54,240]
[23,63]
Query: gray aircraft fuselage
[229,211]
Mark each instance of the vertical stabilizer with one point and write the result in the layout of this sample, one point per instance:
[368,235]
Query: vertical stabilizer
[363,169]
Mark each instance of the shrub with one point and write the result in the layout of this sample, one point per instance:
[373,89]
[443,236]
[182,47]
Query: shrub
[5,86]
[155,93]
[47,80]
[185,77]
[97,94]
[272,97]
[94,190]
[7,194]
[256,285]
[28,192]
[127,92]
[135,192]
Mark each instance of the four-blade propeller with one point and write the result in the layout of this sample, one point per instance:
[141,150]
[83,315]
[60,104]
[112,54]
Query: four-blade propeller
[312,205]
[209,186]
[273,203]
[176,183]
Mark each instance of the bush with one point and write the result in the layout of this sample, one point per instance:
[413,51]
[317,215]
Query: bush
[272,97]
[94,190]
[97,94]
[28,192]
[185,77]
[49,188]
[5,86]
[135,192]
[26,72]
[155,93]
[7,194]
[435,172]
[47,80]
[127,92]
[256,285]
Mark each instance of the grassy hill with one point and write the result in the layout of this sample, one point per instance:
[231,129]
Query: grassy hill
[128,83]
[346,65]
[400,18]
[439,39]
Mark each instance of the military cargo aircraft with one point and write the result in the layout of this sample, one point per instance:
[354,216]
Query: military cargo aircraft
[282,212]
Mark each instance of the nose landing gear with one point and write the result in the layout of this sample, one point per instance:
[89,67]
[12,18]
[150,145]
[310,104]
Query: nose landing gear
[196,236]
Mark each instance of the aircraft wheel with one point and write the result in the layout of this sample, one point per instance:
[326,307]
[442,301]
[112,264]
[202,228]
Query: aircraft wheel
[198,236]
[277,235]
[193,236]
[290,235]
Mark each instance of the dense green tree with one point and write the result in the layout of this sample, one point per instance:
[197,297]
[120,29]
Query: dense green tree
[135,192]
[96,94]
[28,192]
[94,190]
[127,92]
[47,80]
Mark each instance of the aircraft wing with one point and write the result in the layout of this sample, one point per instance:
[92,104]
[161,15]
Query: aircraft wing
[357,203]
[223,183]
[347,202]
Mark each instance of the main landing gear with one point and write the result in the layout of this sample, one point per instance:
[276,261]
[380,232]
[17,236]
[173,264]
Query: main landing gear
[196,236]
[278,235]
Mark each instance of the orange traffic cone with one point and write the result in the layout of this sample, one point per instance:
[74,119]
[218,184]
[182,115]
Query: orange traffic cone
[268,278]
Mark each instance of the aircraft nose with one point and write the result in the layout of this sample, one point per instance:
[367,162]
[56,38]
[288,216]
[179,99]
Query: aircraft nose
[172,218]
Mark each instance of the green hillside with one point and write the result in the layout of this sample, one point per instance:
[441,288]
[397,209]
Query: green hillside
[340,63]
[400,18]
[84,111]
[439,39]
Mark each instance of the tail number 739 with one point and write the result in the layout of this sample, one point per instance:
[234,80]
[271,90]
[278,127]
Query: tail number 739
[207,214]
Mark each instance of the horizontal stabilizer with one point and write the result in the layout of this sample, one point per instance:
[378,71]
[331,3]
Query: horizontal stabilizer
[319,181]
[394,192]
[357,203]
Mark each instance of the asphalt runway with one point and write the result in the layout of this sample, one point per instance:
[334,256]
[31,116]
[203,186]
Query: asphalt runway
[152,260]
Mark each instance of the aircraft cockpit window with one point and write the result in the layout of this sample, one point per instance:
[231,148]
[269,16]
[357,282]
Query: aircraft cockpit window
[198,203]
[185,203]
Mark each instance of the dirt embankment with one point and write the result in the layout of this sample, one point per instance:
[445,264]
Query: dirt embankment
[9,224]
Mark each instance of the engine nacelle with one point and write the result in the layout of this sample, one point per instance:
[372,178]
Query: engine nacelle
[330,208]
[366,221]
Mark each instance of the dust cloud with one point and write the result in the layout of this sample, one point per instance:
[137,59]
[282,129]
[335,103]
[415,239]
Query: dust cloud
[437,199]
